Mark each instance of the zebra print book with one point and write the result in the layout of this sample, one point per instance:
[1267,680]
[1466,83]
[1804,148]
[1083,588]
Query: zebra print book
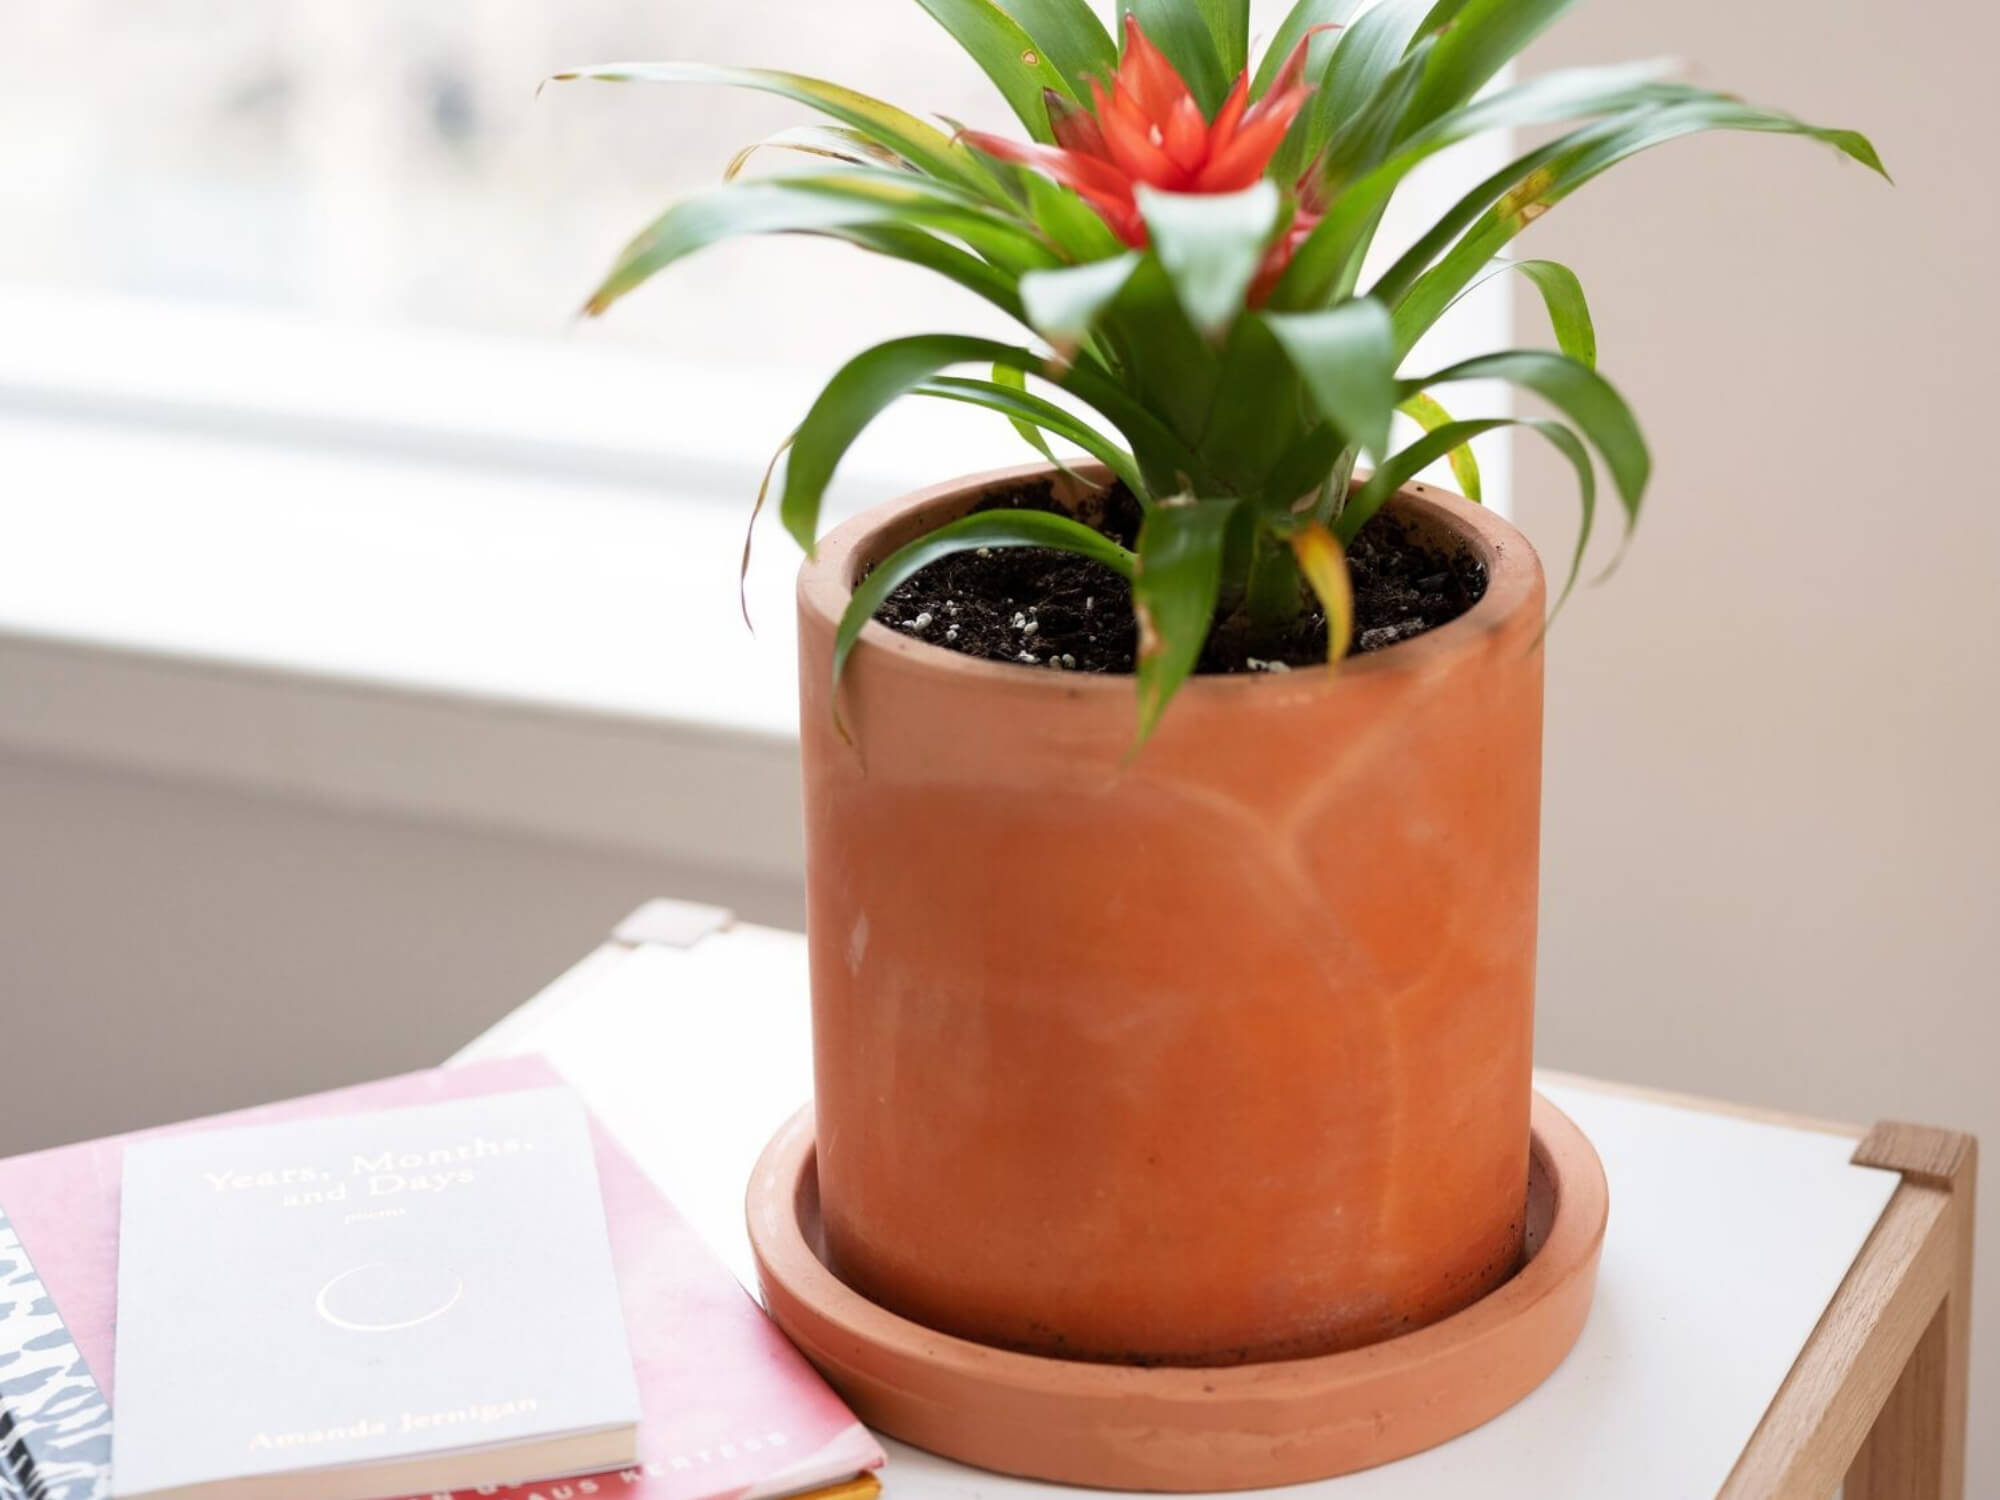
[730,1411]
[55,1426]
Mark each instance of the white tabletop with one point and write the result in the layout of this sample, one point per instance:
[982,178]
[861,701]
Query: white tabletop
[1727,1238]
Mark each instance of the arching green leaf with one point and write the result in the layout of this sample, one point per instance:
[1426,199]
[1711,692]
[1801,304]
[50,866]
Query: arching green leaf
[919,247]
[1063,305]
[1181,31]
[923,146]
[1067,220]
[1533,184]
[1069,35]
[1562,296]
[835,142]
[1174,590]
[1579,393]
[1358,59]
[988,528]
[1302,19]
[1568,308]
[1013,59]
[1035,414]
[854,397]
[1211,245]
[1325,264]
[1429,415]
[845,201]
[1455,437]
[1476,39]
[1348,359]
[874,378]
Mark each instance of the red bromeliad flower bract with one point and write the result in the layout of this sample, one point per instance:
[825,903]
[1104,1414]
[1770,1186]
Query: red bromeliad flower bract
[1147,128]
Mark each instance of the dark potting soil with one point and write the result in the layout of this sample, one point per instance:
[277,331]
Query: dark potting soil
[1039,607]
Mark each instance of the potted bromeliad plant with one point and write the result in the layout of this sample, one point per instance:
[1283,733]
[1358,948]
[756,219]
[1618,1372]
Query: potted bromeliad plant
[1172,817]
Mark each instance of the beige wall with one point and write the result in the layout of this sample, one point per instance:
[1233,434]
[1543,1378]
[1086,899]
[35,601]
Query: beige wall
[169,949]
[1772,850]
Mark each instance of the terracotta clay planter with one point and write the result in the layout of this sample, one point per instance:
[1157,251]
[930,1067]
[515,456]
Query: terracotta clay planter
[1214,1054]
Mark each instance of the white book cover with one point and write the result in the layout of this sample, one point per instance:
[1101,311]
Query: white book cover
[369,1305]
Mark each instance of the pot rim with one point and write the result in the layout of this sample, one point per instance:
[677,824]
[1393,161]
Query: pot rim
[826,583]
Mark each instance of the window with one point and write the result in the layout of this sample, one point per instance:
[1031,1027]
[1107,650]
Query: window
[386,167]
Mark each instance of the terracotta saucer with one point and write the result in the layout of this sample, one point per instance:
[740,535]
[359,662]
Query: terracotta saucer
[1179,1428]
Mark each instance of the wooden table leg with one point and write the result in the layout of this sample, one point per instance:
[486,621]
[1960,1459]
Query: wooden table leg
[1916,1449]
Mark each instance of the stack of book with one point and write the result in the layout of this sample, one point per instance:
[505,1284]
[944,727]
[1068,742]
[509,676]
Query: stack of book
[455,1281]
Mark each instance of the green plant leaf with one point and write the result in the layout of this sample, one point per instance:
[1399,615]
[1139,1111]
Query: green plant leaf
[1399,468]
[1070,35]
[835,142]
[750,531]
[1258,412]
[1568,308]
[1305,467]
[1166,364]
[1210,245]
[1475,40]
[1347,357]
[923,146]
[1324,265]
[1429,415]
[1066,219]
[1064,305]
[1036,414]
[821,204]
[918,247]
[875,377]
[988,528]
[1580,394]
[854,397]
[1181,31]
[1300,21]
[1571,447]
[1012,58]
[1017,380]
[1456,437]
[1562,297]
[1361,141]
[1174,589]
[1228,23]
[1365,52]
[1533,184]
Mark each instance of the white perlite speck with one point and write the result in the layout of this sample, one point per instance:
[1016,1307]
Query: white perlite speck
[922,621]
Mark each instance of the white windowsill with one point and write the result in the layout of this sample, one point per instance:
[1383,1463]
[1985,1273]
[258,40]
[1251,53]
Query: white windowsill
[474,580]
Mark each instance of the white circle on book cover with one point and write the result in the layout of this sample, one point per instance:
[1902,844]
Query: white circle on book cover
[383,1298]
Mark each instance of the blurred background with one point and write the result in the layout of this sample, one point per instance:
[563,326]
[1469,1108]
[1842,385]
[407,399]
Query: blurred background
[367,626]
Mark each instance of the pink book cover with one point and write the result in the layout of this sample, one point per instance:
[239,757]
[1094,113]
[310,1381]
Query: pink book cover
[731,1410]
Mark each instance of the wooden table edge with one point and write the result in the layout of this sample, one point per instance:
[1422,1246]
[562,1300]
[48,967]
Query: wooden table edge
[1876,1400]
